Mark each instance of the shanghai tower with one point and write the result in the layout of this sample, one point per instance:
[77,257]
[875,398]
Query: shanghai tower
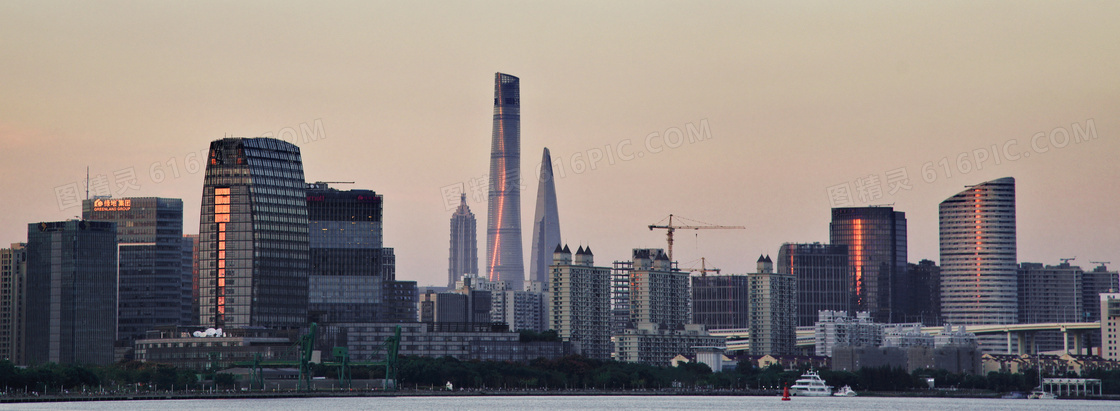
[504,260]
[546,225]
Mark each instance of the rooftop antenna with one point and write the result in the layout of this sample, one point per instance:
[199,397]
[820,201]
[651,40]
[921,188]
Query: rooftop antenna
[87,182]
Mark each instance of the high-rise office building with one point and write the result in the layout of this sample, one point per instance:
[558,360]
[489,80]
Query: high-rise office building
[876,240]
[1049,294]
[348,279]
[253,244]
[152,289]
[923,294]
[71,292]
[546,224]
[978,255]
[13,301]
[504,260]
[1094,283]
[721,301]
[463,257]
[190,262]
[821,272]
[580,307]
[773,311]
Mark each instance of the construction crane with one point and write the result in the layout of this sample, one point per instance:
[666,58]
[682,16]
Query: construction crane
[1067,260]
[703,270]
[1102,263]
[670,228]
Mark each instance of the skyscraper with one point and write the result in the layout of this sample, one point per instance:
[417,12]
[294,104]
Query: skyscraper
[978,255]
[773,311]
[155,286]
[463,254]
[924,293]
[1050,294]
[504,260]
[13,301]
[347,280]
[253,246]
[821,273]
[876,240]
[546,225]
[71,292]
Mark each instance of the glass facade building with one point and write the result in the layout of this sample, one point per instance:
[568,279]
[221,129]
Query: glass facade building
[978,255]
[351,275]
[155,283]
[876,241]
[71,292]
[721,301]
[504,260]
[546,225]
[924,293]
[463,253]
[253,244]
[821,273]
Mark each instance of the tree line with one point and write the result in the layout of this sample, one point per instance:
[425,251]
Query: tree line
[567,373]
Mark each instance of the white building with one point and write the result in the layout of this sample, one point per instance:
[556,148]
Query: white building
[580,306]
[1110,326]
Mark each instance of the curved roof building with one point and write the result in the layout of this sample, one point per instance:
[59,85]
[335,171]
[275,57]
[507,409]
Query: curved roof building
[978,255]
[546,225]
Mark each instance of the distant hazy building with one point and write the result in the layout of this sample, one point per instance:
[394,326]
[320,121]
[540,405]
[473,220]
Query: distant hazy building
[155,283]
[190,263]
[580,307]
[721,301]
[650,344]
[876,241]
[773,311]
[253,240]
[504,261]
[978,255]
[520,310]
[657,290]
[1049,294]
[821,272]
[463,253]
[1094,283]
[837,328]
[71,292]
[466,304]
[1110,326]
[924,293]
[546,225]
[13,301]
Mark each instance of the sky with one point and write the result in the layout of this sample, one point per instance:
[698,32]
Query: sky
[759,114]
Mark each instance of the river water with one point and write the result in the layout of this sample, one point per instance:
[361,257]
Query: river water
[612,403]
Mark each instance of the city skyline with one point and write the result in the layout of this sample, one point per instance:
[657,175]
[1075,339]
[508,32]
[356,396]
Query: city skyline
[781,118]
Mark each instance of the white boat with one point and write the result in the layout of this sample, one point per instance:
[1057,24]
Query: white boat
[810,385]
[1042,395]
[847,391]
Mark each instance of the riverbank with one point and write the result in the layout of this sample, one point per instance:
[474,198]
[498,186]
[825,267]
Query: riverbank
[75,397]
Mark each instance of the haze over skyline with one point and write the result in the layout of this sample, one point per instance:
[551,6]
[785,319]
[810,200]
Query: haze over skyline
[799,98]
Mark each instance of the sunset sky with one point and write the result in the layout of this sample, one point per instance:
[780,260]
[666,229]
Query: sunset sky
[800,100]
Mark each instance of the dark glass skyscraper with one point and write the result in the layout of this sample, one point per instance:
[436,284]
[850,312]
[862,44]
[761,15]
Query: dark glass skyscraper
[71,292]
[821,273]
[546,225]
[155,286]
[876,240]
[504,260]
[463,253]
[253,247]
[352,277]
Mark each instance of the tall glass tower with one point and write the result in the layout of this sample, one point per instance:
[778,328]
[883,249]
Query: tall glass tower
[978,255]
[876,240]
[546,225]
[463,254]
[253,245]
[504,260]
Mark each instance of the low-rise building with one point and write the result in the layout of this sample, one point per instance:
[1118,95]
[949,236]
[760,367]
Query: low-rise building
[193,348]
[649,344]
[465,341]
